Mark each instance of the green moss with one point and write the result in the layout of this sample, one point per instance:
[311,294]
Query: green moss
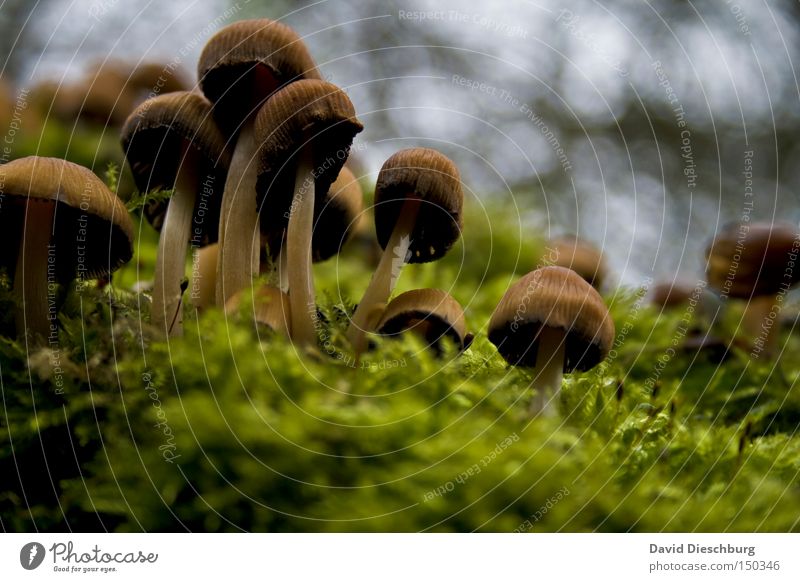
[226,429]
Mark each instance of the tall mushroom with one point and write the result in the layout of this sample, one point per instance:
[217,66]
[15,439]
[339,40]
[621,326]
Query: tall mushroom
[171,141]
[239,68]
[579,255]
[306,130]
[336,219]
[418,218]
[756,262]
[554,321]
[61,222]
[432,314]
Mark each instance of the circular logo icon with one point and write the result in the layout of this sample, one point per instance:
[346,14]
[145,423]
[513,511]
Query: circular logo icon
[31,555]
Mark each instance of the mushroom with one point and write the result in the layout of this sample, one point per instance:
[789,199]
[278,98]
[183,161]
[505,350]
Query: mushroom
[432,314]
[270,308]
[671,294]
[336,218]
[63,223]
[203,289]
[171,141]
[554,321]
[306,130]
[579,255]
[150,79]
[101,98]
[757,262]
[418,204]
[240,67]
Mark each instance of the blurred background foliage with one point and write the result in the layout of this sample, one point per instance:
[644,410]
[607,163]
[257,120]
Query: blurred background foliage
[585,71]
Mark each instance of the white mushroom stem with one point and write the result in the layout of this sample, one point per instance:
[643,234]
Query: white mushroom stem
[172,246]
[384,280]
[549,370]
[36,315]
[758,326]
[283,269]
[239,238]
[298,253]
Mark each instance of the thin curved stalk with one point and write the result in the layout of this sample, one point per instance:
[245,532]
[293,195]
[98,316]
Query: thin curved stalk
[283,269]
[758,326]
[298,251]
[239,236]
[36,316]
[384,279]
[549,371]
[165,312]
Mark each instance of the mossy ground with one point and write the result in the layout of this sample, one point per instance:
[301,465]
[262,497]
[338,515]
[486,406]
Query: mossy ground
[227,428]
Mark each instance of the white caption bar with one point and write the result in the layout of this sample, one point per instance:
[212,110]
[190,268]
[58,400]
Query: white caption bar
[400,557]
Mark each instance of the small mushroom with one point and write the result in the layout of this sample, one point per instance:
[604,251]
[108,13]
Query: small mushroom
[172,141]
[579,255]
[757,262]
[151,79]
[240,67]
[101,98]
[306,130]
[270,308]
[63,223]
[203,291]
[671,294]
[554,321]
[432,314]
[418,218]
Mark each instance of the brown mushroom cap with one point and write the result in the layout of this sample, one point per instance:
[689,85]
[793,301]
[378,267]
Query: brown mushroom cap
[307,113]
[669,294]
[101,98]
[92,228]
[431,313]
[155,139]
[336,218]
[159,78]
[434,179]
[579,255]
[559,298]
[269,306]
[753,260]
[245,62]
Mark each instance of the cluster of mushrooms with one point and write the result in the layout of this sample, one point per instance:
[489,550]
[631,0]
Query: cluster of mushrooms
[253,163]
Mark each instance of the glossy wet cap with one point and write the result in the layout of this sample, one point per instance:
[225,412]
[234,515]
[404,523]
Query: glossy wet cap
[431,313]
[432,178]
[753,259]
[245,62]
[559,298]
[305,114]
[156,138]
[93,232]
[579,255]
